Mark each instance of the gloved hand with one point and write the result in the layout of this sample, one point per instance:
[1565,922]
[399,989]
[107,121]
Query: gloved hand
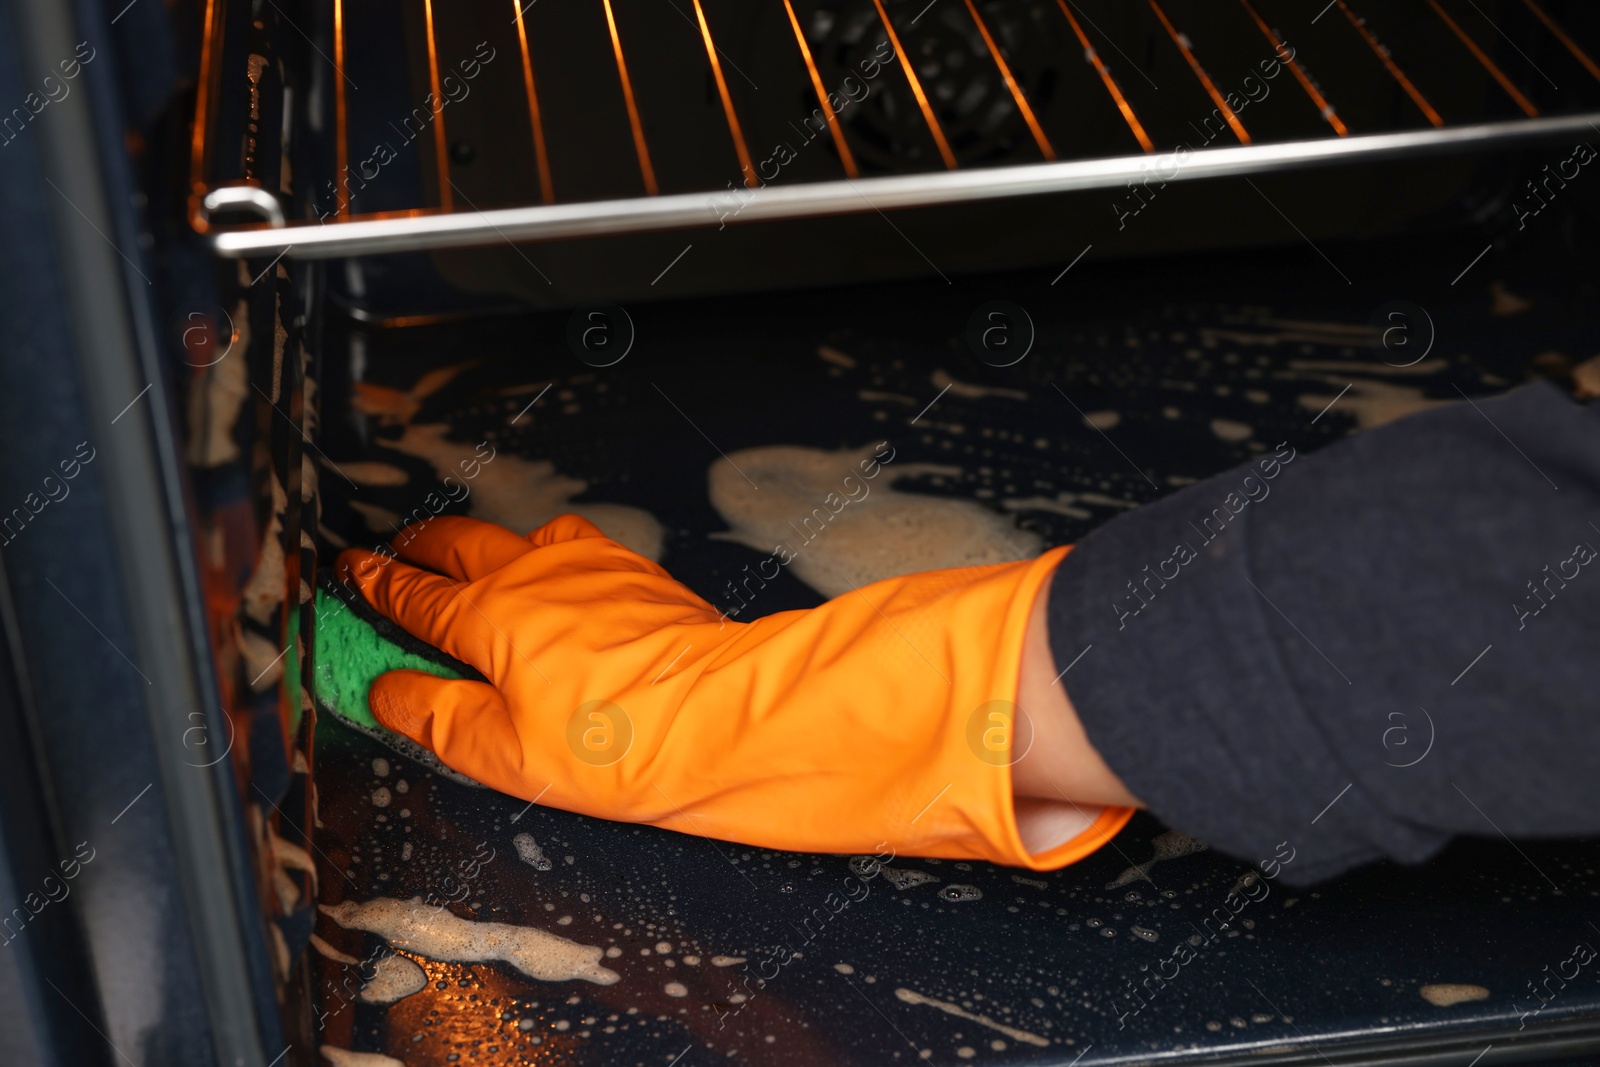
[880,717]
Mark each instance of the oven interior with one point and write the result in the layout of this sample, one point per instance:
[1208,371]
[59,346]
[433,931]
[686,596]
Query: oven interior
[637,250]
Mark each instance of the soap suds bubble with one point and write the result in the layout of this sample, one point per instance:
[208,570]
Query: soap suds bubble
[911,996]
[1144,934]
[381,797]
[393,978]
[844,968]
[1444,994]
[1232,431]
[883,532]
[529,852]
[1169,844]
[864,866]
[905,878]
[942,380]
[332,953]
[675,989]
[440,935]
[959,892]
[380,767]
[523,494]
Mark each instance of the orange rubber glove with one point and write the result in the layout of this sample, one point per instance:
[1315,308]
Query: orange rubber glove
[880,717]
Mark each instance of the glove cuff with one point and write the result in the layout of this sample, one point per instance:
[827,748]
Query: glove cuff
[1098,833]
[1005,839]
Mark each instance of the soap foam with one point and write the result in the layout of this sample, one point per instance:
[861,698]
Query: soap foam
[906,877]
[1372,403]
[393,978]
[332,953]
[1444,994]
[529,852]
[437,934]
[522,494]
[1168,845]
[1231,431]
[943,381]
[343,1057]
[1058,505]
[1065,503]
[958,893]
[363,472]
[1371,400]
[883,534]
[911,996]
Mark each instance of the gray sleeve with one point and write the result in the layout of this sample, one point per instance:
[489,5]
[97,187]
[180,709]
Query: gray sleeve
[1362,651]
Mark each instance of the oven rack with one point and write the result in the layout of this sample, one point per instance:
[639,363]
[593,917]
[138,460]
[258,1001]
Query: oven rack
[1516,109]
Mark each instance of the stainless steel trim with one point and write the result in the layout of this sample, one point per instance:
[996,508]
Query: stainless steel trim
[432,229]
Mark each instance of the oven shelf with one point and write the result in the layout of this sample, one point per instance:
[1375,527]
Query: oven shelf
[449,127]
[419,230]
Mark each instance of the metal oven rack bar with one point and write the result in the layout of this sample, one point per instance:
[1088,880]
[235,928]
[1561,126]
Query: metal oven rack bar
[545,216]
[444,229]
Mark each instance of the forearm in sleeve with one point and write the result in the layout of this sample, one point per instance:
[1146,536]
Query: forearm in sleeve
[1361,651]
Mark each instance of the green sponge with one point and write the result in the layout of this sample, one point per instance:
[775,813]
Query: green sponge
[354,644]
